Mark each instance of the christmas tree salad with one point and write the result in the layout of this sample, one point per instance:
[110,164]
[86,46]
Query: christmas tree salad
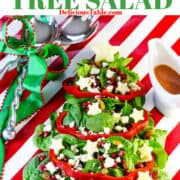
[103,131]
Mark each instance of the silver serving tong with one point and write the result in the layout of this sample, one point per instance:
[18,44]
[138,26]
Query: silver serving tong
[75,30]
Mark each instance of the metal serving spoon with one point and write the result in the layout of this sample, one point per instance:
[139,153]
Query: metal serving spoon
[75,30]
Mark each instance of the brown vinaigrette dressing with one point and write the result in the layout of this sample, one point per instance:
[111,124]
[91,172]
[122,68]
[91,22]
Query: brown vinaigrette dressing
[168,78]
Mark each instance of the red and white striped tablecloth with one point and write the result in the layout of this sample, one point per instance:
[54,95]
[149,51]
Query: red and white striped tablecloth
[131,33]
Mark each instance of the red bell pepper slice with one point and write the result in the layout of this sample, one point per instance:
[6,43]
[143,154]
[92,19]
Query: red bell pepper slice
[75,90]
[69,171]
[135,129]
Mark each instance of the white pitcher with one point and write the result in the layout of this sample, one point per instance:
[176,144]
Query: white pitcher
[167,103]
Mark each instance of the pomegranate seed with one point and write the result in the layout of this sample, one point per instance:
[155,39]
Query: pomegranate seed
[154,175]
[101,144]
[127,171]
[101,158]
[114,69]
[41,158]
[43,167]
[52,177]
[113,155]
[46,134]
[65,159]
[113,80]
[123,76]
[121,153]
[140,165]
[115,165]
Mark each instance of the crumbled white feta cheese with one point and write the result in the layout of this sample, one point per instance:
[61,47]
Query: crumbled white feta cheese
[74,148]
[109,162]
[124,129]
[124,119]
[72,124]
[120,146]
[91,147]
[94,71]
[72,162]
[57,145]
[82,129]
[109,88]
[137,115]
[95,90]
[61,156]
[85,157]
[122,88]
[118,128]
[145,153]
[116,98]
[83,82]
[118,78]
[109,73]
[94,109]
[144,176]
[134,86]
[106,147]
[118,159]
[104,64]
[51,167]
[116,115]
[106,130]
[58,177]
[47,128]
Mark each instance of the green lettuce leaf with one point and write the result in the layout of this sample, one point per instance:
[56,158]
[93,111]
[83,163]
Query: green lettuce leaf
[98,122]
[119,62]
[161,156]
[127,109]
[159,136]
[111,104]
[92,166]
[102,77]
[31,171]
[41,142]
[83,70]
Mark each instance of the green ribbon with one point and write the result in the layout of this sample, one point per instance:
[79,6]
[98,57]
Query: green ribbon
[37,72]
